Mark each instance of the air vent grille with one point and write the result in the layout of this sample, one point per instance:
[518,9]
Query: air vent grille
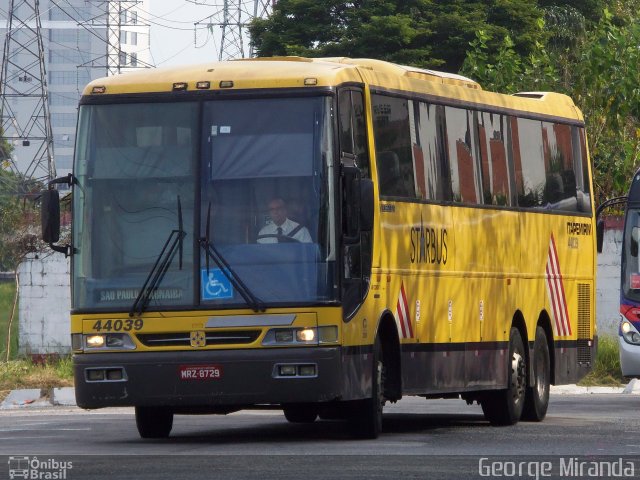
[584,323]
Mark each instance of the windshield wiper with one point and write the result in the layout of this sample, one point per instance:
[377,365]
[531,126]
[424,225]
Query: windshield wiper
[212,252]
[171,245]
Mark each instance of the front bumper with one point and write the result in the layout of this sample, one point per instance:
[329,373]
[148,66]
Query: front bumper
[248,377]
[629,358]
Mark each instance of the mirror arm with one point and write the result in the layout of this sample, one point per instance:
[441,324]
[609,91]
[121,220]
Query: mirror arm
[348,159]
[69,179]
[66,249]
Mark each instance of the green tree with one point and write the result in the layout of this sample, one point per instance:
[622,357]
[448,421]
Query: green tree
[6,149]
[601,74]
[606,85]
[16,219]
[423,33]
[18,213]
[505,71]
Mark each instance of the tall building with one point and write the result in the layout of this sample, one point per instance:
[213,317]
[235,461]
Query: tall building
[83,40]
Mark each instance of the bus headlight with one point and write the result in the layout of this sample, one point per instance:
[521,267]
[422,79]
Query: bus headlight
[104,341]
[301,336]
[306,335]
[95,341]
[629,333]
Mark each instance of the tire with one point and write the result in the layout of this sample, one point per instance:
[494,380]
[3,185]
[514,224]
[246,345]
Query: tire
[537,397]
[504,407]
[366,418]
[154,422]
[300,413]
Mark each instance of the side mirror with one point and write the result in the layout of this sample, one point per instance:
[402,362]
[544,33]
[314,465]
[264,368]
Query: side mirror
[50,216]
[600,234]
[366,204]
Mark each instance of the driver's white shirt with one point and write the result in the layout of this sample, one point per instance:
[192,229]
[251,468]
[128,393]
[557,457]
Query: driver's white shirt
[301,235]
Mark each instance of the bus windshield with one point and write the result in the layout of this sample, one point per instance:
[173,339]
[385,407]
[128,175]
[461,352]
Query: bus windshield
[256,171]
[630,257]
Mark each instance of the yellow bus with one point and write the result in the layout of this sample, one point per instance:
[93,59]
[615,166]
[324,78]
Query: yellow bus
[325,236]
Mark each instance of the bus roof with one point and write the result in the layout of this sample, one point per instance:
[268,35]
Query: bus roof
[299,72]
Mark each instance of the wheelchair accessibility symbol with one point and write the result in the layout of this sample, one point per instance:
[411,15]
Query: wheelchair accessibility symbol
[215,285]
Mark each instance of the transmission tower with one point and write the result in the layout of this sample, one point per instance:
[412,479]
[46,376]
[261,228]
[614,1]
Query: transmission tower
[232,17]
[118,14]
[23,81]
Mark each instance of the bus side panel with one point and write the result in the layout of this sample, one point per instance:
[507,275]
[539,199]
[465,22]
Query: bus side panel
[559,275]
[451,301]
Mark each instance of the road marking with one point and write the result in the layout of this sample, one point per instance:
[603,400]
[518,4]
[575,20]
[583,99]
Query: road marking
[47,429]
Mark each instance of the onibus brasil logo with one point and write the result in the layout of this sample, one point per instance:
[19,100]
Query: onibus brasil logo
[38,469]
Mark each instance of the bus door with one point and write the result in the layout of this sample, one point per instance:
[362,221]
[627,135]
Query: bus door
[356,194]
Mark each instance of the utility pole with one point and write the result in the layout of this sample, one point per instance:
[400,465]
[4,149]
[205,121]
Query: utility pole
[232,17]
[23,80]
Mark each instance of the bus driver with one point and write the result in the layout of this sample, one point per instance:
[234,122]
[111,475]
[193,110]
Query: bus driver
[282,229]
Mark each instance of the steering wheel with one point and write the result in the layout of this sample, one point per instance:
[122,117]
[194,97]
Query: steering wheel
[280,238]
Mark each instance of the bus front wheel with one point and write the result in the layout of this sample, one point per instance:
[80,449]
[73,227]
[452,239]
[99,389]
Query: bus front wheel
[366,419]
[537,397]
[504,407]
[154,422]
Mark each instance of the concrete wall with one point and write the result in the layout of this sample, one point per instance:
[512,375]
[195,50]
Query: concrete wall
[608,283]
[45,301]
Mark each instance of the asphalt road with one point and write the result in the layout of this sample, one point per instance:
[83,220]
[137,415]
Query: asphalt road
[421,439]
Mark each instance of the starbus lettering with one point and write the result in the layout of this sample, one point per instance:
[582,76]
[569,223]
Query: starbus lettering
[428,244]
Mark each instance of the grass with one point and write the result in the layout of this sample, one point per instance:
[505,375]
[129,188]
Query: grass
[606,368]
[17,374]
[21,373]
[7,292]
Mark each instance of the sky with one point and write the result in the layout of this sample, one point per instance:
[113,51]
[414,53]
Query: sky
[173,34]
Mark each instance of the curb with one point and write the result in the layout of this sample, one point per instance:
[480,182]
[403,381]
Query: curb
[39,398]
[66,397]
[577,390]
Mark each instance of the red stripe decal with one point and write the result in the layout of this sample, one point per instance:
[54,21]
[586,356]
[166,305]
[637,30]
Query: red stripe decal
[407,317]
[402,314]
[557,295]
[567,323]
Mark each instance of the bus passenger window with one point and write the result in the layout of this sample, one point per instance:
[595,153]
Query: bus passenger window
[393,146]
[463,155]
[429,152]
[494,144]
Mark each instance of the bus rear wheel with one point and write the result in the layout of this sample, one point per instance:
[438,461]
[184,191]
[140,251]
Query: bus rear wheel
[300,413]
[537,397]
[366,418]
[154,422]
[504,407]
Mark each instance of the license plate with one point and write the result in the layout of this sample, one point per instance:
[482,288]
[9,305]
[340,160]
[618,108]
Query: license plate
[200,372]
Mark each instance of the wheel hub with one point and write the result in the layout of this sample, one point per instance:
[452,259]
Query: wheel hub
[518,376]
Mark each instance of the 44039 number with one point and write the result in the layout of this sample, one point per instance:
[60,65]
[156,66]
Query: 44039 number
[118,325]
